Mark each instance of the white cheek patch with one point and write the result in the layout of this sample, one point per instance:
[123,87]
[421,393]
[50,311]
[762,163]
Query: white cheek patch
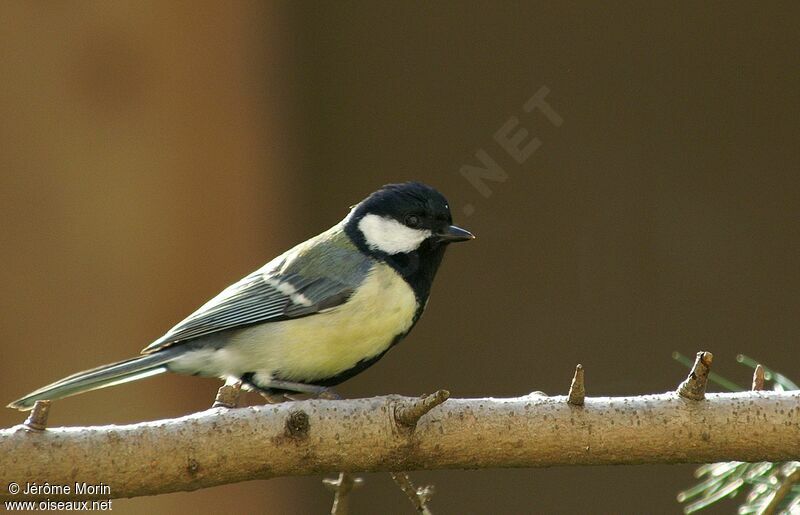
[390,236]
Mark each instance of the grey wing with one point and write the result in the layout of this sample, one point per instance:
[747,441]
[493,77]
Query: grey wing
[279,293]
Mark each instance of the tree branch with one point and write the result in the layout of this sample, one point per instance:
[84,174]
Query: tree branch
[222,445]
[780,494]
[419,496]
[341,488]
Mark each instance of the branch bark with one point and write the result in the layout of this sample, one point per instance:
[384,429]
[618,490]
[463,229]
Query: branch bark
[223,445]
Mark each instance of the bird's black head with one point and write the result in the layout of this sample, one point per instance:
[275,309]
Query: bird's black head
[408,226]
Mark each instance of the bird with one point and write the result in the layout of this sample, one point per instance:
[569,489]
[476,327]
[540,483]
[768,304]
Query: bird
[311,318]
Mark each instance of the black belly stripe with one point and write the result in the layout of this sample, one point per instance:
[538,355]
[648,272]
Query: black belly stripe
[350,372]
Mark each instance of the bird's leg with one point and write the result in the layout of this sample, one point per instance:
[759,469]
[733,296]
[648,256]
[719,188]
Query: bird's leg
[329,394]
[272,398]
[289,386]
[325,393]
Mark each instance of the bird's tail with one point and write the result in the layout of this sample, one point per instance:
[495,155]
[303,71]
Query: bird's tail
[100,377]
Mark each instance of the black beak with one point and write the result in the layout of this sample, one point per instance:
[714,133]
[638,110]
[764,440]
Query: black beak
[453,234]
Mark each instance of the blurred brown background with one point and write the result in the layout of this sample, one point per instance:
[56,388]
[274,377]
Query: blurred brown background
[152,154]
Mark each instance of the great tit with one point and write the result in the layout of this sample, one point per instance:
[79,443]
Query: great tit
[312,317]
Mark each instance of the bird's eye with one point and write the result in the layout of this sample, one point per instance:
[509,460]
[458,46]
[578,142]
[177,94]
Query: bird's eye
[412,221]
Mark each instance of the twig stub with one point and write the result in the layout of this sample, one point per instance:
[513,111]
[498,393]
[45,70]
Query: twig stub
[577,390]
[408,415]
[37,420]
[228,395]
[758,379]
[694,387]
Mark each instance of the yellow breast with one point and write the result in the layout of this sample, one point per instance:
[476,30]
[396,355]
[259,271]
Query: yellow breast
[325,344]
